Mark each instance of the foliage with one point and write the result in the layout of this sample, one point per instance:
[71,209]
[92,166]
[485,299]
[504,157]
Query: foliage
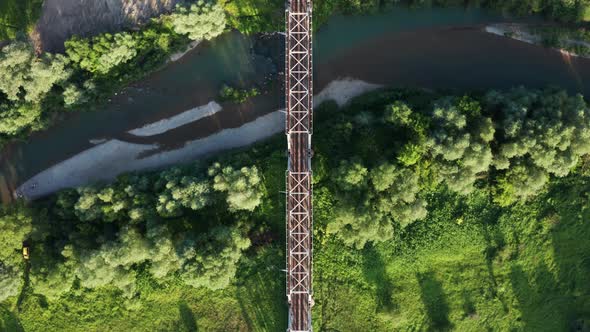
[472,262]
[513,140]
[459,142]
[10,281]
[214,264]
[252,16]
[18,16]
[500,269]
[15,227]
[202,20]
[73,95]
[26,77]
[181,192]
[34,87]
[102,53]
[16,119]
[228,93]
[543,133]
[357,228]
[350,175]
[244,187]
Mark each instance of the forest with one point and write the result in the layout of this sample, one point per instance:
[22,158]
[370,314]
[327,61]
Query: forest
[439,211]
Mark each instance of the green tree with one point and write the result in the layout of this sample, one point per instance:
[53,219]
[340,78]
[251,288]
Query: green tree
[357,228]
[10,281]
[383,176]
[211,260]
[15,227]
[244,187]
[112,263]
[25,77]
[15,119]
[202,20]
[15,63]
[162,253]
[399,189]
[73,95]
[350,175]
[101,54]
[50,276]
[401,115]
[520,183]
[181,191]
[546,128]
[44,73]
[459,141]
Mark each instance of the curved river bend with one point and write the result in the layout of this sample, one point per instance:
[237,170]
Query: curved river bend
[439,48]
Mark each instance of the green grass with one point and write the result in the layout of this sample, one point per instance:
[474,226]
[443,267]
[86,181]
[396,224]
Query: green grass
[251,16]
[18,16]
[253,303]
[469,267]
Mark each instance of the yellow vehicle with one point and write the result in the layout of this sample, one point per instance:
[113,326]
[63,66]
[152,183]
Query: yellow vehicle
[26,252]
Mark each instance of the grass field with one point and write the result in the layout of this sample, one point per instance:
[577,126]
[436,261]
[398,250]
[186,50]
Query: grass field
[18,15]
[469,267]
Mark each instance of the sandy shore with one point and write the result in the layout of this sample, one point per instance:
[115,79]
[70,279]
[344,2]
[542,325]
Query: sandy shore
[514,31]
[342,91]
[178,55]
[176,121]
[107,160]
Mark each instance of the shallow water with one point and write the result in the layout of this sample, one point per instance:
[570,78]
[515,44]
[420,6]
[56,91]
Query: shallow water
[437,48]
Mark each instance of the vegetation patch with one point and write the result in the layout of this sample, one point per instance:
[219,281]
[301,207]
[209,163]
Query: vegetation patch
[235,95]
[37,89]
[441,212]
[18,16]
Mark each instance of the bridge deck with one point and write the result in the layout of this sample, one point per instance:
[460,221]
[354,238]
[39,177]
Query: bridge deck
[299,94]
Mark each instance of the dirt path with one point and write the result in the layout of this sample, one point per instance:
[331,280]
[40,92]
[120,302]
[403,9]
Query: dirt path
[61,19]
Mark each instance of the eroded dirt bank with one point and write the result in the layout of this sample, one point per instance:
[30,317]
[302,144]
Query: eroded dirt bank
[61,19]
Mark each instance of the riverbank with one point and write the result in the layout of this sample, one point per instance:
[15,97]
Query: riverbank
[446,50]
[546,35]
[107,160]
[62,19]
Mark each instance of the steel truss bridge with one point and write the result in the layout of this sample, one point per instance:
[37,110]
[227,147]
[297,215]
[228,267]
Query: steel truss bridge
[299,107]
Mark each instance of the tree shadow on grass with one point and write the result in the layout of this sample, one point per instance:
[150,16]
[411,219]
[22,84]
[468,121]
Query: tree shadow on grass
[261,296]
[187,317]
[495,241]
[552,288]
[9,321]
[374,272]
[435,302]
[21,295]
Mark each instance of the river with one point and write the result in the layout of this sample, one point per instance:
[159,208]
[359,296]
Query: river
[436,48]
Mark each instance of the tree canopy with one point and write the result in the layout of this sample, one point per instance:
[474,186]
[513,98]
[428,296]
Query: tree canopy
[202,20]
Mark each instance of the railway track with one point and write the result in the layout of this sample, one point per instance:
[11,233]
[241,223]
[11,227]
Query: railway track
[298,126]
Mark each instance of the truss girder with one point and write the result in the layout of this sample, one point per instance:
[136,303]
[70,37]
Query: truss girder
[298,127]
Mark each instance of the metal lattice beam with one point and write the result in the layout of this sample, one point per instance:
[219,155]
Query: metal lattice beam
[298,127]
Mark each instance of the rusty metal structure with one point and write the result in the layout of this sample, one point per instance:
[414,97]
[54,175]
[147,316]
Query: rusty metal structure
[298,125]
